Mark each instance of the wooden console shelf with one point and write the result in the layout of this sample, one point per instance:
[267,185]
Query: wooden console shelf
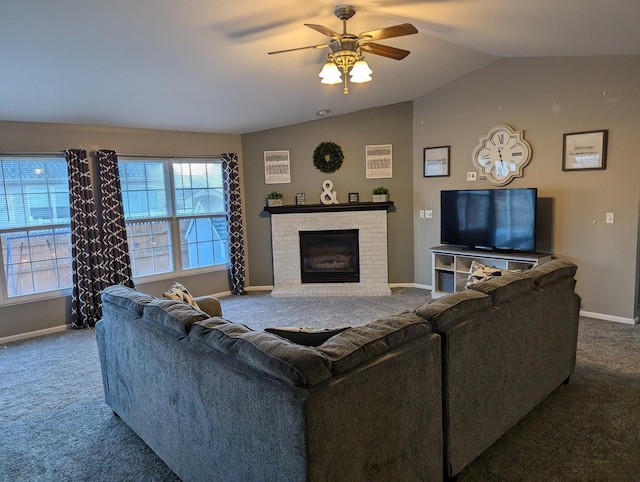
[450,265]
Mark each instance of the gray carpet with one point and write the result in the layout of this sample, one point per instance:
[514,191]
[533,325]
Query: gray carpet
[54,425]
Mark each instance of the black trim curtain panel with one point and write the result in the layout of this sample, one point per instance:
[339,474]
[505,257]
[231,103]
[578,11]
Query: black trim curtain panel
[115,248]
[233,205]
[85,243]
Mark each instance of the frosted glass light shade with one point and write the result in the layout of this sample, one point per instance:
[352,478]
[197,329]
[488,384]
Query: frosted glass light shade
[330,74]
[360,72]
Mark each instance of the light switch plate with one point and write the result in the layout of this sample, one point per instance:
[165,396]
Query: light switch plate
[428,214]
[471,176]
[610,218]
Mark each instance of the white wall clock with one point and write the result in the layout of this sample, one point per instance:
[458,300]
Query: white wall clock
[501,155]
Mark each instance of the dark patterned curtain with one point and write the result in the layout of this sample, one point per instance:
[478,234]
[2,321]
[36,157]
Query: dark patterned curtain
[85,243]
[115,250]
[231,178]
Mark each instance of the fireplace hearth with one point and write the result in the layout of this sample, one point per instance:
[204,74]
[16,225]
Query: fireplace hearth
[329,256]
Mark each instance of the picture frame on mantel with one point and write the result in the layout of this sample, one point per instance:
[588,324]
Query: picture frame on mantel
[436,161]
[584,151]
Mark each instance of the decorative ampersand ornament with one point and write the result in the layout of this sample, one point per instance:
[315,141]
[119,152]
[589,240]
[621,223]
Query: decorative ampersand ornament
[328,196]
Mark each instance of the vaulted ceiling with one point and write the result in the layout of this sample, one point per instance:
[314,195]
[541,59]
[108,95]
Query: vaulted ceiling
[202,65]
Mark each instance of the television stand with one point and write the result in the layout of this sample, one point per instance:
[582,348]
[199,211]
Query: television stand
[450,265]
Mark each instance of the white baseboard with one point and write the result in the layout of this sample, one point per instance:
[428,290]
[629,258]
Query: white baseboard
[617,319]
[247,288]
[33,334]
[260,288]
[221,294]
[409,285]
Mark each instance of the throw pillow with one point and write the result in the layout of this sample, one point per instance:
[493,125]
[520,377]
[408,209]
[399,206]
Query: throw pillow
[480,272]
[178,292]
[306,336]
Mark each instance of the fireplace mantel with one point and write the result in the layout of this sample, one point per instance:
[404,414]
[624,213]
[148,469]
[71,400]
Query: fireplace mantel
[328,208]
[369,219]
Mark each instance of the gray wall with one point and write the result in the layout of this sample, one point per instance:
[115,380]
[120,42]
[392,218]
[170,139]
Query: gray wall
[34,137]
[546,98]
[383,125]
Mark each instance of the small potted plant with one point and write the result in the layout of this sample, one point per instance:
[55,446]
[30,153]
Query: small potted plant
[274,199]
[380,194]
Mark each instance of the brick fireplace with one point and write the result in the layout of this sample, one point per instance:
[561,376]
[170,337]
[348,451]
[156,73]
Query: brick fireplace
[370,222]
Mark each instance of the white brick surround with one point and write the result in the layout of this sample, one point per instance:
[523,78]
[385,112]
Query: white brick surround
[374,275]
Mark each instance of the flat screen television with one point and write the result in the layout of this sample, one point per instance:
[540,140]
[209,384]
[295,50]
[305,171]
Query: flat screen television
[495,219]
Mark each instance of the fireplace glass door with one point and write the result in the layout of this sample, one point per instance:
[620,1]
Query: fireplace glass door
[329,256]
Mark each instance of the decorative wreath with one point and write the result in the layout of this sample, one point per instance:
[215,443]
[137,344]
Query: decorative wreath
[328,157]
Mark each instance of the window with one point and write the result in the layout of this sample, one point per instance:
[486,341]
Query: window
[35,230]
[177,199]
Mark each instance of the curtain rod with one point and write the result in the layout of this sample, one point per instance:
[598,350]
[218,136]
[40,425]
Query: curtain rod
[154,156]
[169,156]
[34,154]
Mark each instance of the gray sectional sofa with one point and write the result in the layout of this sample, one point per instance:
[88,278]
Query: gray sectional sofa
[411,397]
[507,343]
[217,401]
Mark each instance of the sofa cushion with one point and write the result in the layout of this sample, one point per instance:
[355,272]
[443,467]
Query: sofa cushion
[127,298]
[296,364]
[306,336]
[504,287]
[361,343]
[174,315]
[179,292]
[444,312]
[547,273]
[212,322]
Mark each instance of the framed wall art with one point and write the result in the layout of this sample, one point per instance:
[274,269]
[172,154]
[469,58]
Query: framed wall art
[436,161]
[582,151]
[354,197]
[277,169]
[301,198]
[379,161]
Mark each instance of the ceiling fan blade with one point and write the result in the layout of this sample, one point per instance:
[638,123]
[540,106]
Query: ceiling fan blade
[323,30]
[384,50]
[389,32]
[321,46]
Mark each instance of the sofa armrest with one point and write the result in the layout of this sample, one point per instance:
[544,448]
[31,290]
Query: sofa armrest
[210,305]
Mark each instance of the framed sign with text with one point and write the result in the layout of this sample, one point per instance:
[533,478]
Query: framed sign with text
[277,169]
[379,161]
[436,161]
[582,151]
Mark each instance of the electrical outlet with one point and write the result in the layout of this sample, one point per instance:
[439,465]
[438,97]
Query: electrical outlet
[471,176]
[428,214]
[610,218]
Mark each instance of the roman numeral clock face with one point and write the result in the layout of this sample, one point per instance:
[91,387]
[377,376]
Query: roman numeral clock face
[501,155]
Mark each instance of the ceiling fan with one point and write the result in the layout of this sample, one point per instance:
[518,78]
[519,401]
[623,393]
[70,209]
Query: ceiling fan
[346,50]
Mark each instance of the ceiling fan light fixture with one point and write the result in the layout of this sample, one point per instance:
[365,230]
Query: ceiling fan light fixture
[330,73]
[360,72]
[345,56]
